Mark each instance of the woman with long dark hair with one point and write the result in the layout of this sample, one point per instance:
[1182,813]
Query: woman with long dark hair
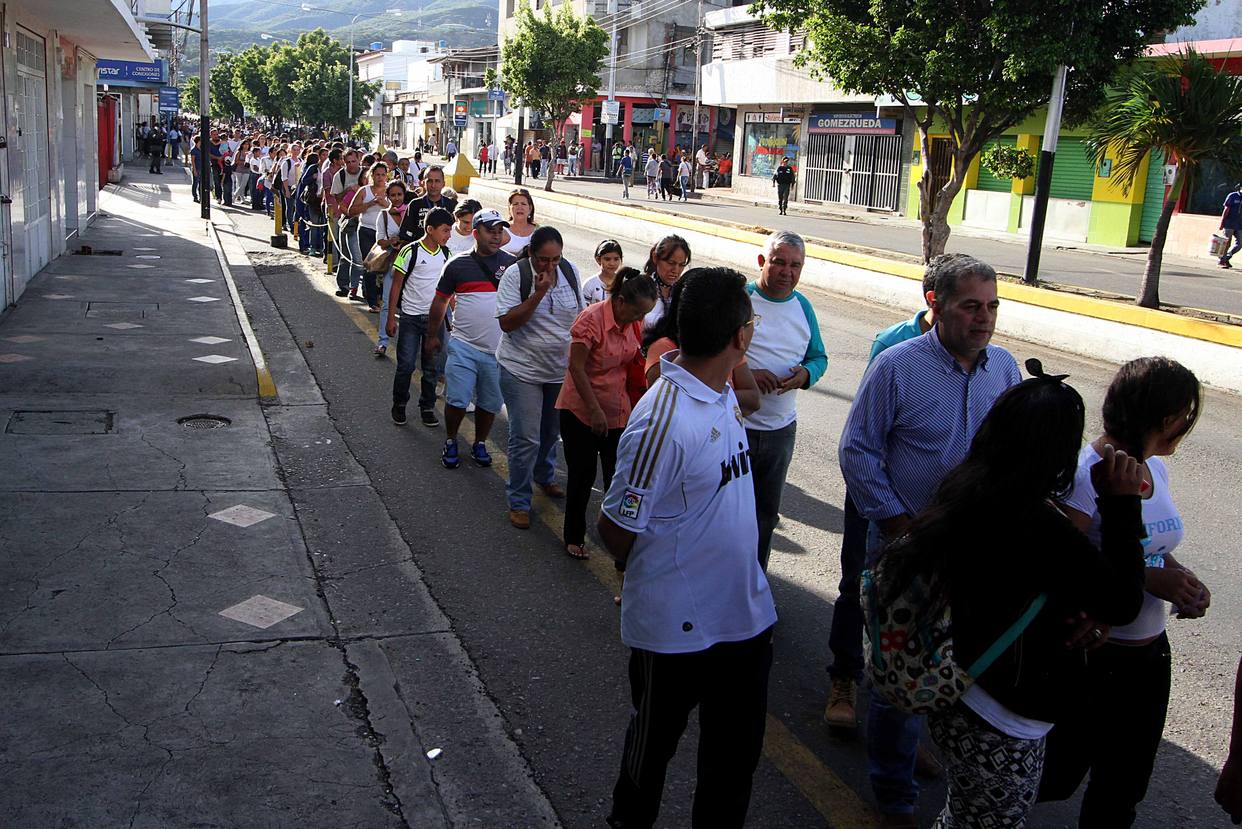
[993,545]
[1150,406]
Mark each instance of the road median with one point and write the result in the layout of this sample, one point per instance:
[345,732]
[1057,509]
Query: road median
[1089,326]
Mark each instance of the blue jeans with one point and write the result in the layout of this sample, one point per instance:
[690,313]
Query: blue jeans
[684,183]
[411,331]
[771,452]
[534,429]
[892,735]
[382,342]
[348,275]
[845,637]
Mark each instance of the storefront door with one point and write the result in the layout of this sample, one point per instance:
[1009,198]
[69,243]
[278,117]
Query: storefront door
[863,170]
[32,129]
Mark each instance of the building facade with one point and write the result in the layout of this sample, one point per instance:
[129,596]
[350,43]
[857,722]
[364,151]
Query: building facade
[49,164]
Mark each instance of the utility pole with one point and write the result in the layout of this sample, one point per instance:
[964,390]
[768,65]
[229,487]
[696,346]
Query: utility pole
[1043,179]
[204,100]
[350,128]
[698,72]
[519,149]
[613,10]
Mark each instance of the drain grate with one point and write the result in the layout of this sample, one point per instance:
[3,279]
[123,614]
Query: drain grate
[61,423]
[203,422]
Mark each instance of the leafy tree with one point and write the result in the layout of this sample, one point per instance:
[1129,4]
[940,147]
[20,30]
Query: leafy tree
[189,94]
[363,132]
[1182,105]
[551,63]
[972,68]
[224,103]
[252,85]
[316,71]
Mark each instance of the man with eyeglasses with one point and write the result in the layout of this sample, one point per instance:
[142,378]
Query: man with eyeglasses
[786,354]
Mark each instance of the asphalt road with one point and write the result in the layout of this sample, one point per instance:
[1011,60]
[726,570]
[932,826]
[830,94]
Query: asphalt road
[543,632]
[1193,283]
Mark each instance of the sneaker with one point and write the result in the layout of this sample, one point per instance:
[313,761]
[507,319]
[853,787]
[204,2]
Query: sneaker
[1225,265]
[342,293]
[398,415]
[520,518]
[448,456]
[840,711]
[429,418]
[478,454]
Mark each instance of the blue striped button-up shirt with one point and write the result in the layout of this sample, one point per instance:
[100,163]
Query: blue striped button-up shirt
[912,421]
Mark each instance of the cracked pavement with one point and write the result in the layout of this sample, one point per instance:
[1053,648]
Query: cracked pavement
[131,701]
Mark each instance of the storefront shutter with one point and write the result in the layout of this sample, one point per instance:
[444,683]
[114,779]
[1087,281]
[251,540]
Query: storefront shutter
[1073,174]
[988,181]
[1153,196]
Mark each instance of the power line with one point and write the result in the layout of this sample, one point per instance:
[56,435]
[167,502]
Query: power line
[657,8]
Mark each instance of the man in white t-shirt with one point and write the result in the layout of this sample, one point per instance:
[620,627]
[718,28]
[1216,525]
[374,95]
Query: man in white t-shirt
[696,610]
[290,174]
[786,354]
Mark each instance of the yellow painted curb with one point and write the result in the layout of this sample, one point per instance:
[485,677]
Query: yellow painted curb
[1101,309]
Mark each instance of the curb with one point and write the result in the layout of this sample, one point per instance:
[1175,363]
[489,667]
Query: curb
[267,386]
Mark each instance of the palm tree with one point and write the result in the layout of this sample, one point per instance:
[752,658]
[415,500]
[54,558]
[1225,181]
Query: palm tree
[1182,105]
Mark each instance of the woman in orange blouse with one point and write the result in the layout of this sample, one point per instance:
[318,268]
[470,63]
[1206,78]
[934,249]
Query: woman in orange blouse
[594,400]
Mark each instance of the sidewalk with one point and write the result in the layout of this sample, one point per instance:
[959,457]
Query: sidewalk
[1190,283]
[210,626]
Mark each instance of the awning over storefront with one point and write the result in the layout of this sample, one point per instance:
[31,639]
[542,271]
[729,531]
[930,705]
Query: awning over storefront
[106,29]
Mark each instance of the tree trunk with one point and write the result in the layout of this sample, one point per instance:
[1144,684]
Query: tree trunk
[936,226]
[1149,293]
[926,197]
[551,170]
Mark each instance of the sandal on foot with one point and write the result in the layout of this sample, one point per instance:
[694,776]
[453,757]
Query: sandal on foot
[581,554]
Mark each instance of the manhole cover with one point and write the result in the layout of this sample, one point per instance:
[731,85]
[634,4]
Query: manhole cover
[202,422]
[96,422]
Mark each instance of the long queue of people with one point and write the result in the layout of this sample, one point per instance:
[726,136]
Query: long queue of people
[1042,564]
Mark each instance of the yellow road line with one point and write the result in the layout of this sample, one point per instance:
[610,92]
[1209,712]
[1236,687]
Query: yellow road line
[839,804]
[263,375]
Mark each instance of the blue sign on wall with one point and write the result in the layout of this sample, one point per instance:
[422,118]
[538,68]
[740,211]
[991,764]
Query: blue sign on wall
[170,99]
[131,73]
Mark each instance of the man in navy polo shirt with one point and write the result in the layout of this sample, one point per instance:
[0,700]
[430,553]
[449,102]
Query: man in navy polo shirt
[1231,224]
[696,609]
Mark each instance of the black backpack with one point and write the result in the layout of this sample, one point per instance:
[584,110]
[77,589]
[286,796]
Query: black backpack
[527,279]
[413,263]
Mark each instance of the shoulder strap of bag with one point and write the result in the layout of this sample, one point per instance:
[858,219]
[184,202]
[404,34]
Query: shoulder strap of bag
[478,260]
[527,275]
[1008,637]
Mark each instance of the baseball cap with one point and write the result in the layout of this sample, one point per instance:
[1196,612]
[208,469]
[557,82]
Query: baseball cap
[488,217]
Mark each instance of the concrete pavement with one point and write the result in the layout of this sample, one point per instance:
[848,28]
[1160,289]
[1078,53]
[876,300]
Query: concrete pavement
[213,623]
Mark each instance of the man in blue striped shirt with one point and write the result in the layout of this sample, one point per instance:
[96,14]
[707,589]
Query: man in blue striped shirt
[915,414]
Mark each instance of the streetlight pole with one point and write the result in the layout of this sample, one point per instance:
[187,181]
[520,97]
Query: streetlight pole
[613,9]
[204,128]
[1043,179]
[351,71]
[698,83]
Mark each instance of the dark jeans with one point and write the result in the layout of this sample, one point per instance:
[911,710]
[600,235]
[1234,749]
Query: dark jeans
[370,285]
[217,178]
[1113,733]
[728,683]
[782,197]
[194,187]
[157,161]
[846,635]
[770,455]
[582,448]
[226,185]
[411,331]
[258,198]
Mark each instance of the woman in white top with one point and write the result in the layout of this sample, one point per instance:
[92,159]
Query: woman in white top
[268,167]
[368,203]
[461,234]
[609,258]
[255,165]
[533,355]
[387,235]
[666,262]
[1151,404]
[521,222]
[684,171]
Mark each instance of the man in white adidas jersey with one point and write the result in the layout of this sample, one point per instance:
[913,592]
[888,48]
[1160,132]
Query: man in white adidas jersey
[696,609]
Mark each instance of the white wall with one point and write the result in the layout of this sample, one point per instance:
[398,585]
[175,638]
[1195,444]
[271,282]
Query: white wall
[1067,219]
[769,80]
[1217,20]
[986,209]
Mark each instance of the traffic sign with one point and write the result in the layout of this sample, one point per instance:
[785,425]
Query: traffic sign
[495,94]
[610,113]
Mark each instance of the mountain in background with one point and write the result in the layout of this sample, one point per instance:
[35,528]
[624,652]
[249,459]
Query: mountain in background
[236,24]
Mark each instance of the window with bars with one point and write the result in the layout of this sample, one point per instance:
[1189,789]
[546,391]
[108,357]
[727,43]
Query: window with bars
[30,54]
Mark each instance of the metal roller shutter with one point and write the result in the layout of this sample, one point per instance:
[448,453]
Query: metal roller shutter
[1153,196]
[1073,174]
[988,181]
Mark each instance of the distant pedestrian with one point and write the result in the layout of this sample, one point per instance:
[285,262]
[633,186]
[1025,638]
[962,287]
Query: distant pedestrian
[1231,224]
[155,149]
[697,612]
[174,143]
[666,178]
[196,183]
[627,174]
[651,169]
[783,178]
[684,174]
[483,150]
